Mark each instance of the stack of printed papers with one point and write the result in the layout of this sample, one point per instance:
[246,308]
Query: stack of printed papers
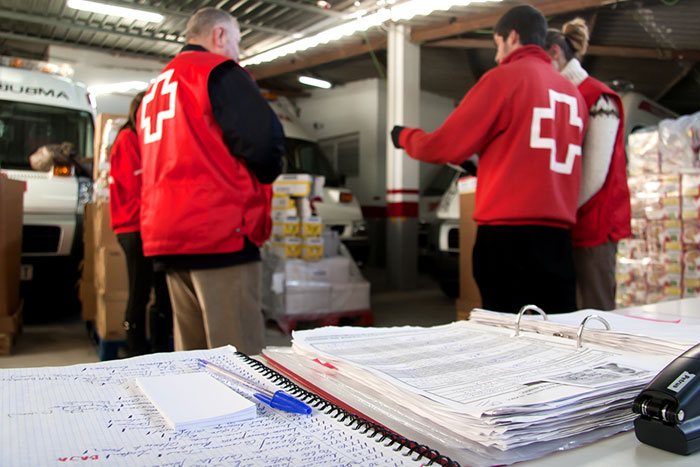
[475,392]
[195,400]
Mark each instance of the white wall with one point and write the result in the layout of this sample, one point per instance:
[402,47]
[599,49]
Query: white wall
[352,108]
[360,107]
[93,68]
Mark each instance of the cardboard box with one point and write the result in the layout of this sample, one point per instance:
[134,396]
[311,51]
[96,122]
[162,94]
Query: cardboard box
[312,248]
[330,270]
[10,328]
[109,317]
[311,226]
[351,296]
[469,296]
[110,270]
[286,227]
[293,184]
[102,228]
[87,293]
[104,137]
[11,206]
[306,298]
[286,247]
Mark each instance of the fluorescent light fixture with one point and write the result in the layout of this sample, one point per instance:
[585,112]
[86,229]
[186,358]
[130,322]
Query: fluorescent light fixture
[396,12]
[113,10]
[318,83]
[124,87]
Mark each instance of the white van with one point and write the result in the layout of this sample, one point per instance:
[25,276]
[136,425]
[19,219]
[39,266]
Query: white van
[443,239]
[339,209]
[39,108]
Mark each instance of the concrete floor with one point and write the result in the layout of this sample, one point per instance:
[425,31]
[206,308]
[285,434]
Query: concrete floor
[67,341]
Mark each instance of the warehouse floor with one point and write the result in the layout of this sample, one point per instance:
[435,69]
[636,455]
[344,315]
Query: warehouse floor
[67,342]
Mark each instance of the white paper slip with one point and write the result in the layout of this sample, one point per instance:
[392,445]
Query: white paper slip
[195,400]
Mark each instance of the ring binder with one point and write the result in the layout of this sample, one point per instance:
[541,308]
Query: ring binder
[340,414]
[579,333]
[522,312]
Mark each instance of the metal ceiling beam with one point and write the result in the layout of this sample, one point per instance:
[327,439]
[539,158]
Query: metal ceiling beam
[42,40]
[490,17]
[685,69]
[69,25]
[598,50]
[309,8]
[288,65]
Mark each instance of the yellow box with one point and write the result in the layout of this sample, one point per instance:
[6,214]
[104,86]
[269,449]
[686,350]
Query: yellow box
[293,184]
[311,226]
[287,247]
[282,201]
[312,249]
[288,227]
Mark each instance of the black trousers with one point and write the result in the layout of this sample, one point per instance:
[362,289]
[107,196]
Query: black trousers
[522,265]
[141,279]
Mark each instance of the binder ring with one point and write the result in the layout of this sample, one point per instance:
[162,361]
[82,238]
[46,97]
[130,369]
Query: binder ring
[522,312]
[579,333]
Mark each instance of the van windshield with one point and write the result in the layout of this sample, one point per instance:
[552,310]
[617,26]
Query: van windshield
[25,127]
[306,157]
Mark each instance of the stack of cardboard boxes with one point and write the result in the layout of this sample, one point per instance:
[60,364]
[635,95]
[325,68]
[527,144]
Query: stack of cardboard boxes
[103,285]
[304,277]
[11,204]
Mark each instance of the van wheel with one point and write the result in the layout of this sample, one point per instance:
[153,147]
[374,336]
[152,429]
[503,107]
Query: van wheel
[450,288]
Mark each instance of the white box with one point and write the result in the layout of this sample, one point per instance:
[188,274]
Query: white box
[307,298]
[293,184]
[334,270]
[351,296]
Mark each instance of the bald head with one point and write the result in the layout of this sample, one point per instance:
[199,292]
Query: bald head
[215,30]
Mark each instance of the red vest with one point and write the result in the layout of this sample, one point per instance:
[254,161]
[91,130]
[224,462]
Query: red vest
[125,182]
[197,197]
[607,213]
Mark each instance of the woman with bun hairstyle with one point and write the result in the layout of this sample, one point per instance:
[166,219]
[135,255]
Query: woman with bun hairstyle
[124,208]
[603,216]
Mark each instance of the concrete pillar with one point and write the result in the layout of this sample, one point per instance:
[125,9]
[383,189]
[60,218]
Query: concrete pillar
[402,172]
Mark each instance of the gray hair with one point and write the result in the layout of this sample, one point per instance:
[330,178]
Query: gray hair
[205,20]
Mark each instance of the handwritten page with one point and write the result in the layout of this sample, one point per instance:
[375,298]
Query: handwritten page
[96,412]
[195,400]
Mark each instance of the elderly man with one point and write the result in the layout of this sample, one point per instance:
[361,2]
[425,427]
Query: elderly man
[211,147]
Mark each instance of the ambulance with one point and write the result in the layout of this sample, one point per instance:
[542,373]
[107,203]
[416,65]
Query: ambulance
[39,105]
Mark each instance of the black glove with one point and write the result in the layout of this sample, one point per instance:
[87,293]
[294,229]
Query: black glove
[395,132]
[469,167]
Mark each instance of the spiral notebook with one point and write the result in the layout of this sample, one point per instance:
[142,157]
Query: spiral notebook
[97,412]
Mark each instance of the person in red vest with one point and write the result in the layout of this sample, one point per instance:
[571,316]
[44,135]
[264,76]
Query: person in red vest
[211,148]
[124,209]
[604,212]
[527,122]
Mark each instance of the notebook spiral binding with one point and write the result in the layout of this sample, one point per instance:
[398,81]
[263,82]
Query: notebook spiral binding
[387,437]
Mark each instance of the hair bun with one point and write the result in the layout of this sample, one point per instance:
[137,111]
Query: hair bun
[576,32]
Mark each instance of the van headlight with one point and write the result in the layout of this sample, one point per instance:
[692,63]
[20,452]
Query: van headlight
[359,228]
[84,191]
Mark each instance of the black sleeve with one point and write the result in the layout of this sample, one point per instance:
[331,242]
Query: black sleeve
[251,130]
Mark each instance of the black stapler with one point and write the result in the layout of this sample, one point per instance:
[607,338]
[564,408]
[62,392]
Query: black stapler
[669,406]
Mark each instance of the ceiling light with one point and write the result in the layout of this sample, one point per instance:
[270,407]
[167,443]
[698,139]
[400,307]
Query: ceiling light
[123,87]
[113,10]
[318,83]
[402,11]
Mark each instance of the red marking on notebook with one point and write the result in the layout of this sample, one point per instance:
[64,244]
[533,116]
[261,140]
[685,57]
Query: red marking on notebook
[326,364]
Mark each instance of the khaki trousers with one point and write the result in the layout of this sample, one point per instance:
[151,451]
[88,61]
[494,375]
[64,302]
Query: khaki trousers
[595,276]
[218,306]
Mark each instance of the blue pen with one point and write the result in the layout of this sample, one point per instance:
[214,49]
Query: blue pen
[278,400]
